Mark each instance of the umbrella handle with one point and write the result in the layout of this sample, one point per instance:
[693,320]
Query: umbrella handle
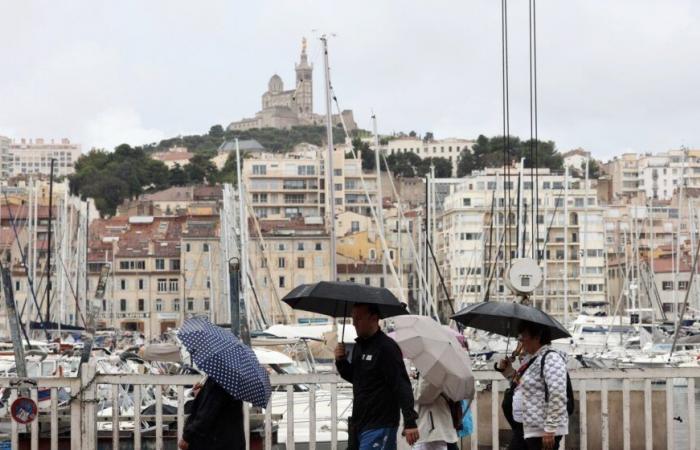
[345,313]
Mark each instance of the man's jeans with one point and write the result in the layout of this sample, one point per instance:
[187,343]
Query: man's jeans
[378,439]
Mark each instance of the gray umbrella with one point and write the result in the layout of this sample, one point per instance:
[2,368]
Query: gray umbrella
[504,318]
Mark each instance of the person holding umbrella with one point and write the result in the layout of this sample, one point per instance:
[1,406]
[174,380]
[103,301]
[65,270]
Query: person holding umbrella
[542,400]
[539,398]
[380,385]
[234,376]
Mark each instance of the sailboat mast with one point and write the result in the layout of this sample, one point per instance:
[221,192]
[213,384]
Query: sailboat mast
[48,248]
[329,162]
[566,246]
[380,212]
[583,272]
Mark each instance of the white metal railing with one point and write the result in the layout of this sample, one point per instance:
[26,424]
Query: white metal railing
[604,404]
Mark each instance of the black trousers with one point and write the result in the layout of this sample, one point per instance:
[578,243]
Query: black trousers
[517,439]
[536,443]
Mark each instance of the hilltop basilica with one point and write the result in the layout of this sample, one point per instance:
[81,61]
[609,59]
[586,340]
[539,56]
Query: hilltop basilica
[286,109]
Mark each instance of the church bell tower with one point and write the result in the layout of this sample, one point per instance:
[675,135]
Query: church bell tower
[304,84]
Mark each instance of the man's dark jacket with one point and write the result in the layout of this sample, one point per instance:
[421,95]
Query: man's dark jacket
[215,421]
[380,384]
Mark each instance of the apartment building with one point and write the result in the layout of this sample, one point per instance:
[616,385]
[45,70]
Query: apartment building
[449,148]
[293,184]
[35,155]
[569,238]
[162,270]
[624,171]
[284,254]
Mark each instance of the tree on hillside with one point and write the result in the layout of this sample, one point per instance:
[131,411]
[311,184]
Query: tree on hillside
[488,152]
[404,164]
[466,163]
[177,176]
[443,167]
[363,150]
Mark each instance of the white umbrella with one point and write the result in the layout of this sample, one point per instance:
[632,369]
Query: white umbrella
[437,354]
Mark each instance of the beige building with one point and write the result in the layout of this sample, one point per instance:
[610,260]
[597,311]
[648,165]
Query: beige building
[284,254]
[449,148]
[293,107]
[293,184]
[163,270]
[175,156]
[624,171]
[34,156]
[569,238]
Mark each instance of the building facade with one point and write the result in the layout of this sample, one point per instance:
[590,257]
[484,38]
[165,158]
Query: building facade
[449,148]
[5,158]
[34,156]
[293,184]
[569,238]
[161,271]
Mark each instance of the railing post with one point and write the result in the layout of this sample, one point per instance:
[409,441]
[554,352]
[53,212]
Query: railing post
[88,407]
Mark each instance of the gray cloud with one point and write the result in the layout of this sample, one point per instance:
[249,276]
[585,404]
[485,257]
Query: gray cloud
[613,76]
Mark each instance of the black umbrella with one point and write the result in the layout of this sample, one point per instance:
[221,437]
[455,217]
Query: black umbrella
[504,318]
[336,298]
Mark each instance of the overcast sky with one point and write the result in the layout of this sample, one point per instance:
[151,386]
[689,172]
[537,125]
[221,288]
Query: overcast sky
[613,76]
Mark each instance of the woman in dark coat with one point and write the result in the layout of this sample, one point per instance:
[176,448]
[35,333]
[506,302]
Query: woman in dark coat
[215,421]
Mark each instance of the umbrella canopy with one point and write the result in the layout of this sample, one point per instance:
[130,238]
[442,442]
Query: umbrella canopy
[437,354]
[336,298]
[228,361]
[504,318]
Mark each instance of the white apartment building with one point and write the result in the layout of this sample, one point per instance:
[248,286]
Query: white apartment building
[34,156]
[656,176]
[5,158]
[293,184]
[449,148]
[569,237]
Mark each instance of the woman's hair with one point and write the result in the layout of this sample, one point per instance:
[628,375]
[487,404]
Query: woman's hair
[540,332]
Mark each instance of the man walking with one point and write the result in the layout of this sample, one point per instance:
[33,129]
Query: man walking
[380,385]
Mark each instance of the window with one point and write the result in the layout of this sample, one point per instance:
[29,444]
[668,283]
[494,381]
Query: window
[188,247]
[259,169]
[281,284]
[306,170]
[300,263]
[141,284]
[18,286]
[160,264]
[205,247]
[190,304]
[104,305]
[206,304]
[682,285]
[319,246]
[162,285]
[122,305]
[466,202]
[281,247]
[338,172]
[367,281]
[122,284]
[338,187]
[372,254]
[381,281]
[281,263]
[123,265]
[174,264]
[208,282]
[176,304]
[173,285]
[667,285]
[355,226]
[300,246]
[142,305]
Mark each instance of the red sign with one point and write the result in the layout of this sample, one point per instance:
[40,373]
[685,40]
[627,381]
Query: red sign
[23,410]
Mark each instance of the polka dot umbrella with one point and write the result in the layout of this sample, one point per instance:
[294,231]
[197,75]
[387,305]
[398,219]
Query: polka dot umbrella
[229,362]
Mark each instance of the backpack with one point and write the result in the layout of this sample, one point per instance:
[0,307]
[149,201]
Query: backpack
[570,402]
[456,412]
